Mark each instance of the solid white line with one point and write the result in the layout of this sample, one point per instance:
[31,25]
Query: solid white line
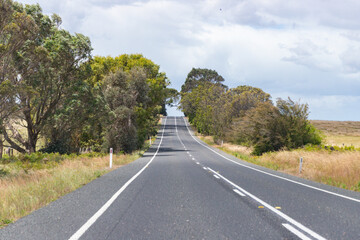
[238,192]
[270,174]
[216,176]
[93,219]
[295,231]
[281,214]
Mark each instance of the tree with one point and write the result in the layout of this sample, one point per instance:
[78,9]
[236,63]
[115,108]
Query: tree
[146,113]
[123,92]
[44,69]
[16,27]
[198,76]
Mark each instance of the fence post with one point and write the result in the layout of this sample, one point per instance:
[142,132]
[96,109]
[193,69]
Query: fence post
[300,167]
[111,155]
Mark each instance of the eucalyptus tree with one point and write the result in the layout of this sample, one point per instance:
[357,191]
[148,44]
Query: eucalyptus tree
[44,68]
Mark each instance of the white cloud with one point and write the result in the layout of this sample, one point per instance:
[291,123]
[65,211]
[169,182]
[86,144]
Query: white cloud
[308,49]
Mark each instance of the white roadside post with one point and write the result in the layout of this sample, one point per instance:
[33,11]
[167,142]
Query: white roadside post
[150,140]
[301,162]
[111,153]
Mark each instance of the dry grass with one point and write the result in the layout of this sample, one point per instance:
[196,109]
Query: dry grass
[340,133]
[340,169]
[345,128]
[21,193]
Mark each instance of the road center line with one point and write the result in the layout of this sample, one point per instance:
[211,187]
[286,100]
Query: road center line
[295,231]
[216,176]
[270,174]
[93,219]
[281,214]
[238,192]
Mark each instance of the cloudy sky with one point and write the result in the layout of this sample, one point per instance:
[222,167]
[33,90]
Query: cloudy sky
[308,50]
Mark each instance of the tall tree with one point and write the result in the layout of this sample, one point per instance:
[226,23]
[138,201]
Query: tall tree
[124,91]
[45,69]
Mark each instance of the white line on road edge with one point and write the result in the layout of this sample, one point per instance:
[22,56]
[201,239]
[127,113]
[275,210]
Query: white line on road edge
[281,214]
[295,231]
[93,219]
[238,192]
[270,174]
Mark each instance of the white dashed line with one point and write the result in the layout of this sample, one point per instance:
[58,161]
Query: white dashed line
[238,192]
[295,231]
[216,176]
[274,210]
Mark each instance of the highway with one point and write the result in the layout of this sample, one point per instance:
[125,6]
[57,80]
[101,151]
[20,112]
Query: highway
[183,189]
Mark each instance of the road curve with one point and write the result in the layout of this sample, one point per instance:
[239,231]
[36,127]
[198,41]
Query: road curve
[183,189]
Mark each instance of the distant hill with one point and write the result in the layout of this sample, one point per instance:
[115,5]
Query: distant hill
[347,128]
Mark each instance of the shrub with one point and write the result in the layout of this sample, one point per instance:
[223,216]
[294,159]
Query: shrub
[269,128]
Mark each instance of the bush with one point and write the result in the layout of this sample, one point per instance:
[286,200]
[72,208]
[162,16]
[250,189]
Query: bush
[269,128]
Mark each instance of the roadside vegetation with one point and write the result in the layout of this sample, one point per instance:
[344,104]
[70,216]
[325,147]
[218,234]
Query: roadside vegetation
[245,115]
[32,181]
[244,122]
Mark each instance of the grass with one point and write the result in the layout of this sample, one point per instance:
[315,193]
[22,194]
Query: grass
[340,133]
[336,168]
[25,191]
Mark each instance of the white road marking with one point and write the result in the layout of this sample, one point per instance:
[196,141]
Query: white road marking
[197,163]
[93,219]
[176,125]
[193,159]
[270,174]
[204,168]
[216,176]
[281,214]
[238,192]
[295,231]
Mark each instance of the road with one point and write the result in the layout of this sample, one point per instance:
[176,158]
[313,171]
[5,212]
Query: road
[183,189]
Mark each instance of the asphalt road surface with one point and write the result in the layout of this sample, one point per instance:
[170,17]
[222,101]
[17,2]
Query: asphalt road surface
[183,189]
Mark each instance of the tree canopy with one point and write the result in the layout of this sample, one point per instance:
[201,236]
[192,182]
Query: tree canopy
[244,114]
[52,88]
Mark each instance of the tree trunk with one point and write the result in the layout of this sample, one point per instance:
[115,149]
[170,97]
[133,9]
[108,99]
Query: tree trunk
[1,146]
[32,139]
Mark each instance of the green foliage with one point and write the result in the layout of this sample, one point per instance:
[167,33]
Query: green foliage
[133,92]
[199,76]
[245,114]
[42,69]
[269,128]
[54,89]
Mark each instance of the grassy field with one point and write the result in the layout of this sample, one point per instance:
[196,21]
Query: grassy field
[24,190]
[338,133]
[336,168]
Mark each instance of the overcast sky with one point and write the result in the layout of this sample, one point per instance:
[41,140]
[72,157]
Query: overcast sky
[308,50]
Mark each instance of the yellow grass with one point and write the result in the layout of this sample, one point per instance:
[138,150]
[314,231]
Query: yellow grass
[339,133]
[21,193]
[340,169]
